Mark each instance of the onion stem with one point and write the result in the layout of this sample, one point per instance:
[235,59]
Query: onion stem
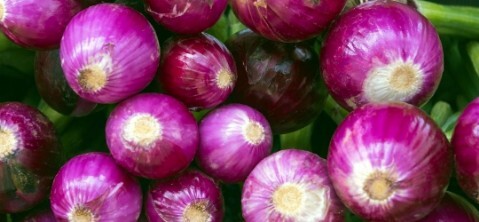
[451,20]
[334,110]
[440,112]
[299,139]
[473,52]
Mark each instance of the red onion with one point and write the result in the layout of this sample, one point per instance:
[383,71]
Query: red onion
[389,162]
[91,187]
[198,70]
[280,80]
[152,135]
[186,16]
[36,24]
[109,52]
[29,157]
[287,20]
[453,208]
[53,87]
[290,185]
[233,139]
[382,51]
[191,196]
[465,141]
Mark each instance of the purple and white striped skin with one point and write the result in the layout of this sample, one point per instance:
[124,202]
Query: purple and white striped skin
[109,52]
[233,139]
[29,157]
[389,162]
[290,185]
[191,196]
[287,20]
[91,187]
[382,51]
[198,70]
[36,24]
[465,142]
[152,135]
[453,208]
[186,16]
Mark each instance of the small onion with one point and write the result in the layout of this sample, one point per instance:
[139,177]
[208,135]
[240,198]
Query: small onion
[91,187]
[36,24]
[233,139]
[109,52]
[280,80]
[152,135]
[198,70]
[191,196]
[287,20]
[186,16]
[453,208]
[53,87]
[290,185]
[382,51]
[29,157]
[465,141]
[389,162]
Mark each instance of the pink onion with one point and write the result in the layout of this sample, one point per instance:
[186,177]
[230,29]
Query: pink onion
[91,187]
[382,51]
[29,157]
[186,16]
[36,24]
[290,185]
[453,208]
[152,135]
[389,162]
[287,20]
[233,139]
[109,52]
[191,196]
[198,70]
[465,141]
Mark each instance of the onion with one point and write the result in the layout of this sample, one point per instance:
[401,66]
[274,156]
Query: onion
[395,55]
[453,208]
[29,157]
[186,16]
[287,20]
[43,214]
[198,70]
[53,87]
[233,139]
[109,52]
[36,24]
[152,135]
[280,80]
[91,187]
[389,162]
[191,196]
[290,185]
[465,141]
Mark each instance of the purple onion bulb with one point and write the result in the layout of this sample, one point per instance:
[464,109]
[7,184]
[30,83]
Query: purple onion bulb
[453,208]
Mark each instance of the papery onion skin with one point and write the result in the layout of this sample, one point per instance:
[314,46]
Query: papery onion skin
[109,52]
[453,208]
[53,87]
[36,24]
[198,70]
[94,183]
[389,162]
[287,21]
[465,141]
[153,151]
[301,169]
[382,51]
[186,16]
[280,80]
[29,157]
[168,200]
[233,139]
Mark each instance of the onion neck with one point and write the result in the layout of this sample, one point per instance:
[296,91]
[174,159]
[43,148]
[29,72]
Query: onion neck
[142,129]
[8,142]
[81,214]
[253,132]
[196,212]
